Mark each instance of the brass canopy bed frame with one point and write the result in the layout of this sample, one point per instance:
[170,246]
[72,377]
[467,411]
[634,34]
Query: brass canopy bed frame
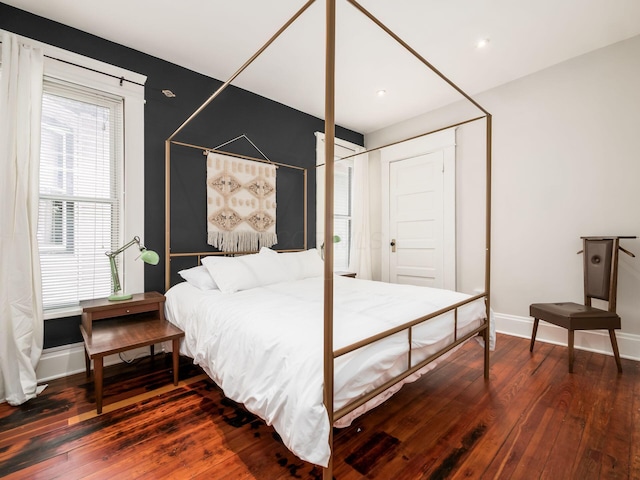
[328,277]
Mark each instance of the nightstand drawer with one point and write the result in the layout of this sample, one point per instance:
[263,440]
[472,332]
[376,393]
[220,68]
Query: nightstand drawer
[103,308]
[124,310]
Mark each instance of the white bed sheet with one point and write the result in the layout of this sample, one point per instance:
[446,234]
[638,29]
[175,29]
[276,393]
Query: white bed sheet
[264,346]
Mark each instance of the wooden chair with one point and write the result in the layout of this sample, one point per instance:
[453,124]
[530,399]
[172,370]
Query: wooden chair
[600,281]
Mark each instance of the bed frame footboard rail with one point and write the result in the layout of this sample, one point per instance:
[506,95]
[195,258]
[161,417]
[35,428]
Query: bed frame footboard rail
[338,414]
[387,333]
[411,369]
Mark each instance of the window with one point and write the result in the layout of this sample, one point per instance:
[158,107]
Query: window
[342,199]
[92,152]
[342,203]
[80,208]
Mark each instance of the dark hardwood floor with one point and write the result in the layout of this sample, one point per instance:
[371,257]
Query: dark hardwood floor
[532,419]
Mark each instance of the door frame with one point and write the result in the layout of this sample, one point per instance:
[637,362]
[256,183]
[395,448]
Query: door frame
[444,141]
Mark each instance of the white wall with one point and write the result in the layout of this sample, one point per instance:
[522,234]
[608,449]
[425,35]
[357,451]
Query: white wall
[470,189]
[566,163]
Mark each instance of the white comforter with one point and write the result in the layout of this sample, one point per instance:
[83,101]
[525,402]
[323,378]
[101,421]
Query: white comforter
[264,346]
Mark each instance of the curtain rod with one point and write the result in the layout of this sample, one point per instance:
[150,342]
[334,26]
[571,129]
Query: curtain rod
[121,78]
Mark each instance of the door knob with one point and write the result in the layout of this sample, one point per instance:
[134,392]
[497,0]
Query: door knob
[393,244]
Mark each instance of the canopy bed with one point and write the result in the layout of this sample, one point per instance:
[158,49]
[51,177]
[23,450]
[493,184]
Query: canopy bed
[244,315]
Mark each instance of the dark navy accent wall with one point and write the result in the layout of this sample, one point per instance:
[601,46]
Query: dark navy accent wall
[284,134]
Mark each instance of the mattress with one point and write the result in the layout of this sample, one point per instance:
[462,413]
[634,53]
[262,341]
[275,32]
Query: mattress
[264,346]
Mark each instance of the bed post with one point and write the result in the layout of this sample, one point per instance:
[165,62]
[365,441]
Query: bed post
[306,212]
[487,266]
[329,135]
[167,214]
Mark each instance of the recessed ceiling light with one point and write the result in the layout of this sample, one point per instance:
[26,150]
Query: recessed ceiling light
[482,43]
[381,93]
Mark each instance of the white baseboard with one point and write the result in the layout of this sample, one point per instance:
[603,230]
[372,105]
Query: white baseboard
[591,340]
[67,360]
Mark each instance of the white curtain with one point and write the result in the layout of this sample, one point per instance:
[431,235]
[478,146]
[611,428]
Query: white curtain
[21,318]
[360,221]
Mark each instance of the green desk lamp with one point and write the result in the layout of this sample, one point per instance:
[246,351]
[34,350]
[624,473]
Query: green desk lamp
[336,239]
[147,256]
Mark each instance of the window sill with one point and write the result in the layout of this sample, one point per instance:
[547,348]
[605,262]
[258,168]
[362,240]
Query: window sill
[63,312]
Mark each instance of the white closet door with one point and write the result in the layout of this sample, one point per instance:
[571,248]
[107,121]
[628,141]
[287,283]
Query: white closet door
[416,221]
[418,205]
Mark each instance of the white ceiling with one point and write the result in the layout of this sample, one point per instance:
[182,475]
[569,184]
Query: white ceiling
[216,37]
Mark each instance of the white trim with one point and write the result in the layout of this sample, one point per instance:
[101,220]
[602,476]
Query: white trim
[444,141]
[68,360]
[422,145]
[337,141]
[320,179]
[62,312]
[60,362]
[133,193]
[590,340]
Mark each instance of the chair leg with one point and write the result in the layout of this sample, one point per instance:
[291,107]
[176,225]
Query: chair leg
[616,352]
[533,333]
[570,345]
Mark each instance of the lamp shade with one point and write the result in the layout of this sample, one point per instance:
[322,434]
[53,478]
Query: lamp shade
[336,239]
[150,257]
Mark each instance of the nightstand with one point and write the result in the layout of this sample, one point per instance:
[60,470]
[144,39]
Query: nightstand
[110,327]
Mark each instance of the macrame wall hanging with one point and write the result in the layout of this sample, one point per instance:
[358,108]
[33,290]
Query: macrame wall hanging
[241,204]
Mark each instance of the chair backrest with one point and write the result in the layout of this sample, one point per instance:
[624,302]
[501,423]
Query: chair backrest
[600,270]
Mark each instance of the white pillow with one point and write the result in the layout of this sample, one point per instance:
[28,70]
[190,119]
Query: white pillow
[210,262]
[246,271]
[267,251]
[198,277]
[303,264]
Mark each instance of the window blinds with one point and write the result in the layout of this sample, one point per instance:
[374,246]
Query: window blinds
[80,192]
[342,213]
